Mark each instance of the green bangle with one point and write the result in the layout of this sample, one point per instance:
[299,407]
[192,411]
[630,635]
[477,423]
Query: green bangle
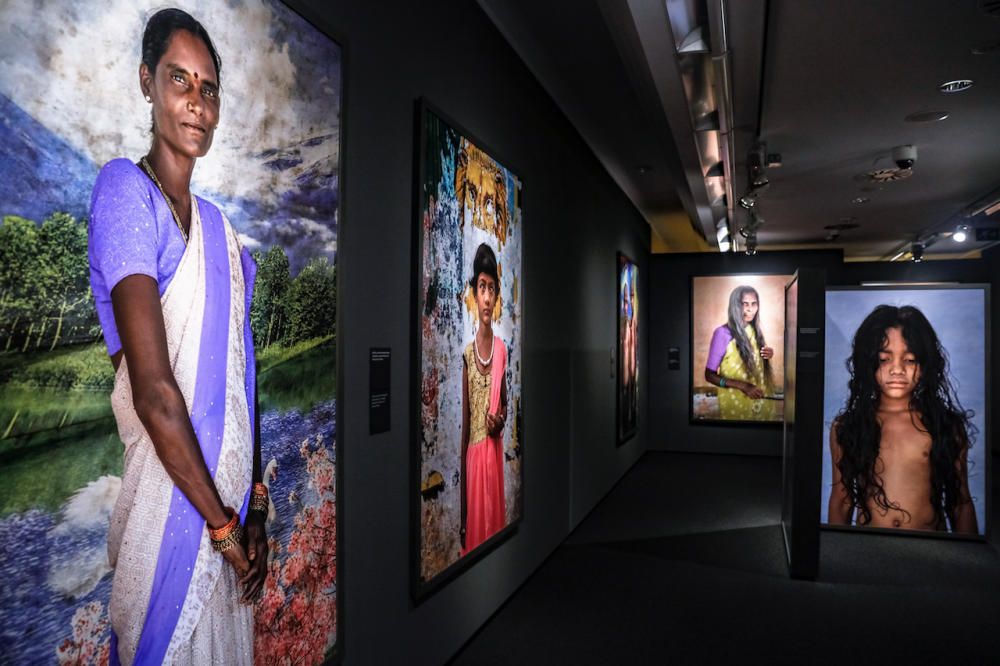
[722,382]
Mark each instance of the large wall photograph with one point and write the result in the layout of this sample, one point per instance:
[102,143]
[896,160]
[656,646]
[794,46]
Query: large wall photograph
[737,348]
[70,101]
[468,434]
[628,348]
[904,409]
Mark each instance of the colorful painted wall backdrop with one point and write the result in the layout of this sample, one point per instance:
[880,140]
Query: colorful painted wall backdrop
[467,198]
[628,348]
[69,102]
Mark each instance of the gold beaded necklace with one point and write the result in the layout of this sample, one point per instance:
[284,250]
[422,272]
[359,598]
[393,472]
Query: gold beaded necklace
[177,218]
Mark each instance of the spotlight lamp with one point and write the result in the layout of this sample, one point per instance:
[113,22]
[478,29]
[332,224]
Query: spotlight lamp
[917,252]
[961,233]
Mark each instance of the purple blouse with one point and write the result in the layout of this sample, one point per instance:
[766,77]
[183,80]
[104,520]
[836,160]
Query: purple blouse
[131,232]
[720,340]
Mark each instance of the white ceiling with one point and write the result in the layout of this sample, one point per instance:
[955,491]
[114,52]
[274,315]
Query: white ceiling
[825,83]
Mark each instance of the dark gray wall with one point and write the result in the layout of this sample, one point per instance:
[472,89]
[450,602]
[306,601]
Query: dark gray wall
[992,260]
[670,326]
[575,219]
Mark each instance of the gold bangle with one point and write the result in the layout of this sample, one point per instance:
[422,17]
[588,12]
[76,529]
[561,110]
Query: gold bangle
[258,498]
[221,533]
[230,540]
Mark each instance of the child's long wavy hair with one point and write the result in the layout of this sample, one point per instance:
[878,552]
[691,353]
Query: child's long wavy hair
[933,400]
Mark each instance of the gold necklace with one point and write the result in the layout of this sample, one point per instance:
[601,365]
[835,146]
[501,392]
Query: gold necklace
[177,218]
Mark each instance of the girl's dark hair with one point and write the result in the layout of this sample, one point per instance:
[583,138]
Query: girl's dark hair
[162,25]
[933,402]
[737,328]
[484,262]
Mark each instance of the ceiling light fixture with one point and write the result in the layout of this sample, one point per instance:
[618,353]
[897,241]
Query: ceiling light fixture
[961,233]
[917,252]
[958,85]
[860,200]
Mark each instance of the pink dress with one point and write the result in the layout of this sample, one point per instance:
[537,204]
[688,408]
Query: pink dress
[485,507]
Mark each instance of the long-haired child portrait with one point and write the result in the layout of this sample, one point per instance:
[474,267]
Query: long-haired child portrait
[899,446]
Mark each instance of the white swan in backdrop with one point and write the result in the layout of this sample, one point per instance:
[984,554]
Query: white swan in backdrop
[88,509]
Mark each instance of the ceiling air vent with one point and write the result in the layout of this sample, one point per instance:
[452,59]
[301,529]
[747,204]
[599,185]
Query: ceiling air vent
[958,85]
[880,176]
[833,230]
[990,7]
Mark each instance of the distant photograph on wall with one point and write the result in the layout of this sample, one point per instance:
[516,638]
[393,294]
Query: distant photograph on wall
[737,341]
[904,409]
[70,102]
[468,435]
[628,348]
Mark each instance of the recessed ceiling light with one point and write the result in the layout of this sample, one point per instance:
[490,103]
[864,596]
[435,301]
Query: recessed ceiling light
[958,85]
[926,117]
[860,200]
[961,233]
[643,169]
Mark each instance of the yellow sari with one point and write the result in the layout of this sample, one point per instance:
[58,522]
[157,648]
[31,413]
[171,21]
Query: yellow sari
[733,403]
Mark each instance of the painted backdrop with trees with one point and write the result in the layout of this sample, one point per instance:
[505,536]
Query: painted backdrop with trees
[69,102]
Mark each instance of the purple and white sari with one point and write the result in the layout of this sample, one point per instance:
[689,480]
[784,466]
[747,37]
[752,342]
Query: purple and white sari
[174,599]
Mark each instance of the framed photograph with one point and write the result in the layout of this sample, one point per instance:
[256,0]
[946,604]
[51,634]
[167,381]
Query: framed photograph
[274,172]
[737,348]
[905,410]
[628,348]
[467,446]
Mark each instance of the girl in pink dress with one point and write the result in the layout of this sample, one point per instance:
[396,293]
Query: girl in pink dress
[484,412]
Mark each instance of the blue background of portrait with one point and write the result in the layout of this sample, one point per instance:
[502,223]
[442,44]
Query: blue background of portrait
[958,317]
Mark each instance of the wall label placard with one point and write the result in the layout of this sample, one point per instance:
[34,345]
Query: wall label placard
[379,404]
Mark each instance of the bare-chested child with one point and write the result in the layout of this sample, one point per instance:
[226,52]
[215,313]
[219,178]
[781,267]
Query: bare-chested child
[900,445]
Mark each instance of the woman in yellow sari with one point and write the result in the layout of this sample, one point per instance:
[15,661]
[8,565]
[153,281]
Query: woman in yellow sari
[739,361]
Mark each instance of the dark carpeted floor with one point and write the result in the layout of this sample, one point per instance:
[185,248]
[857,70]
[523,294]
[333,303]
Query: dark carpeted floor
[683,563]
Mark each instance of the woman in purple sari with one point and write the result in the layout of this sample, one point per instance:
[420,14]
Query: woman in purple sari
[173,287]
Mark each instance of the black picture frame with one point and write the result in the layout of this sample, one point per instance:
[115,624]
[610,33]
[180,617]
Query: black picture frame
[421,589]
[984,440]
[626,416]
[315,19]
[775,424]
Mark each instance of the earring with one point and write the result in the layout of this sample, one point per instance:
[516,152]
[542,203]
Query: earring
[149,100]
